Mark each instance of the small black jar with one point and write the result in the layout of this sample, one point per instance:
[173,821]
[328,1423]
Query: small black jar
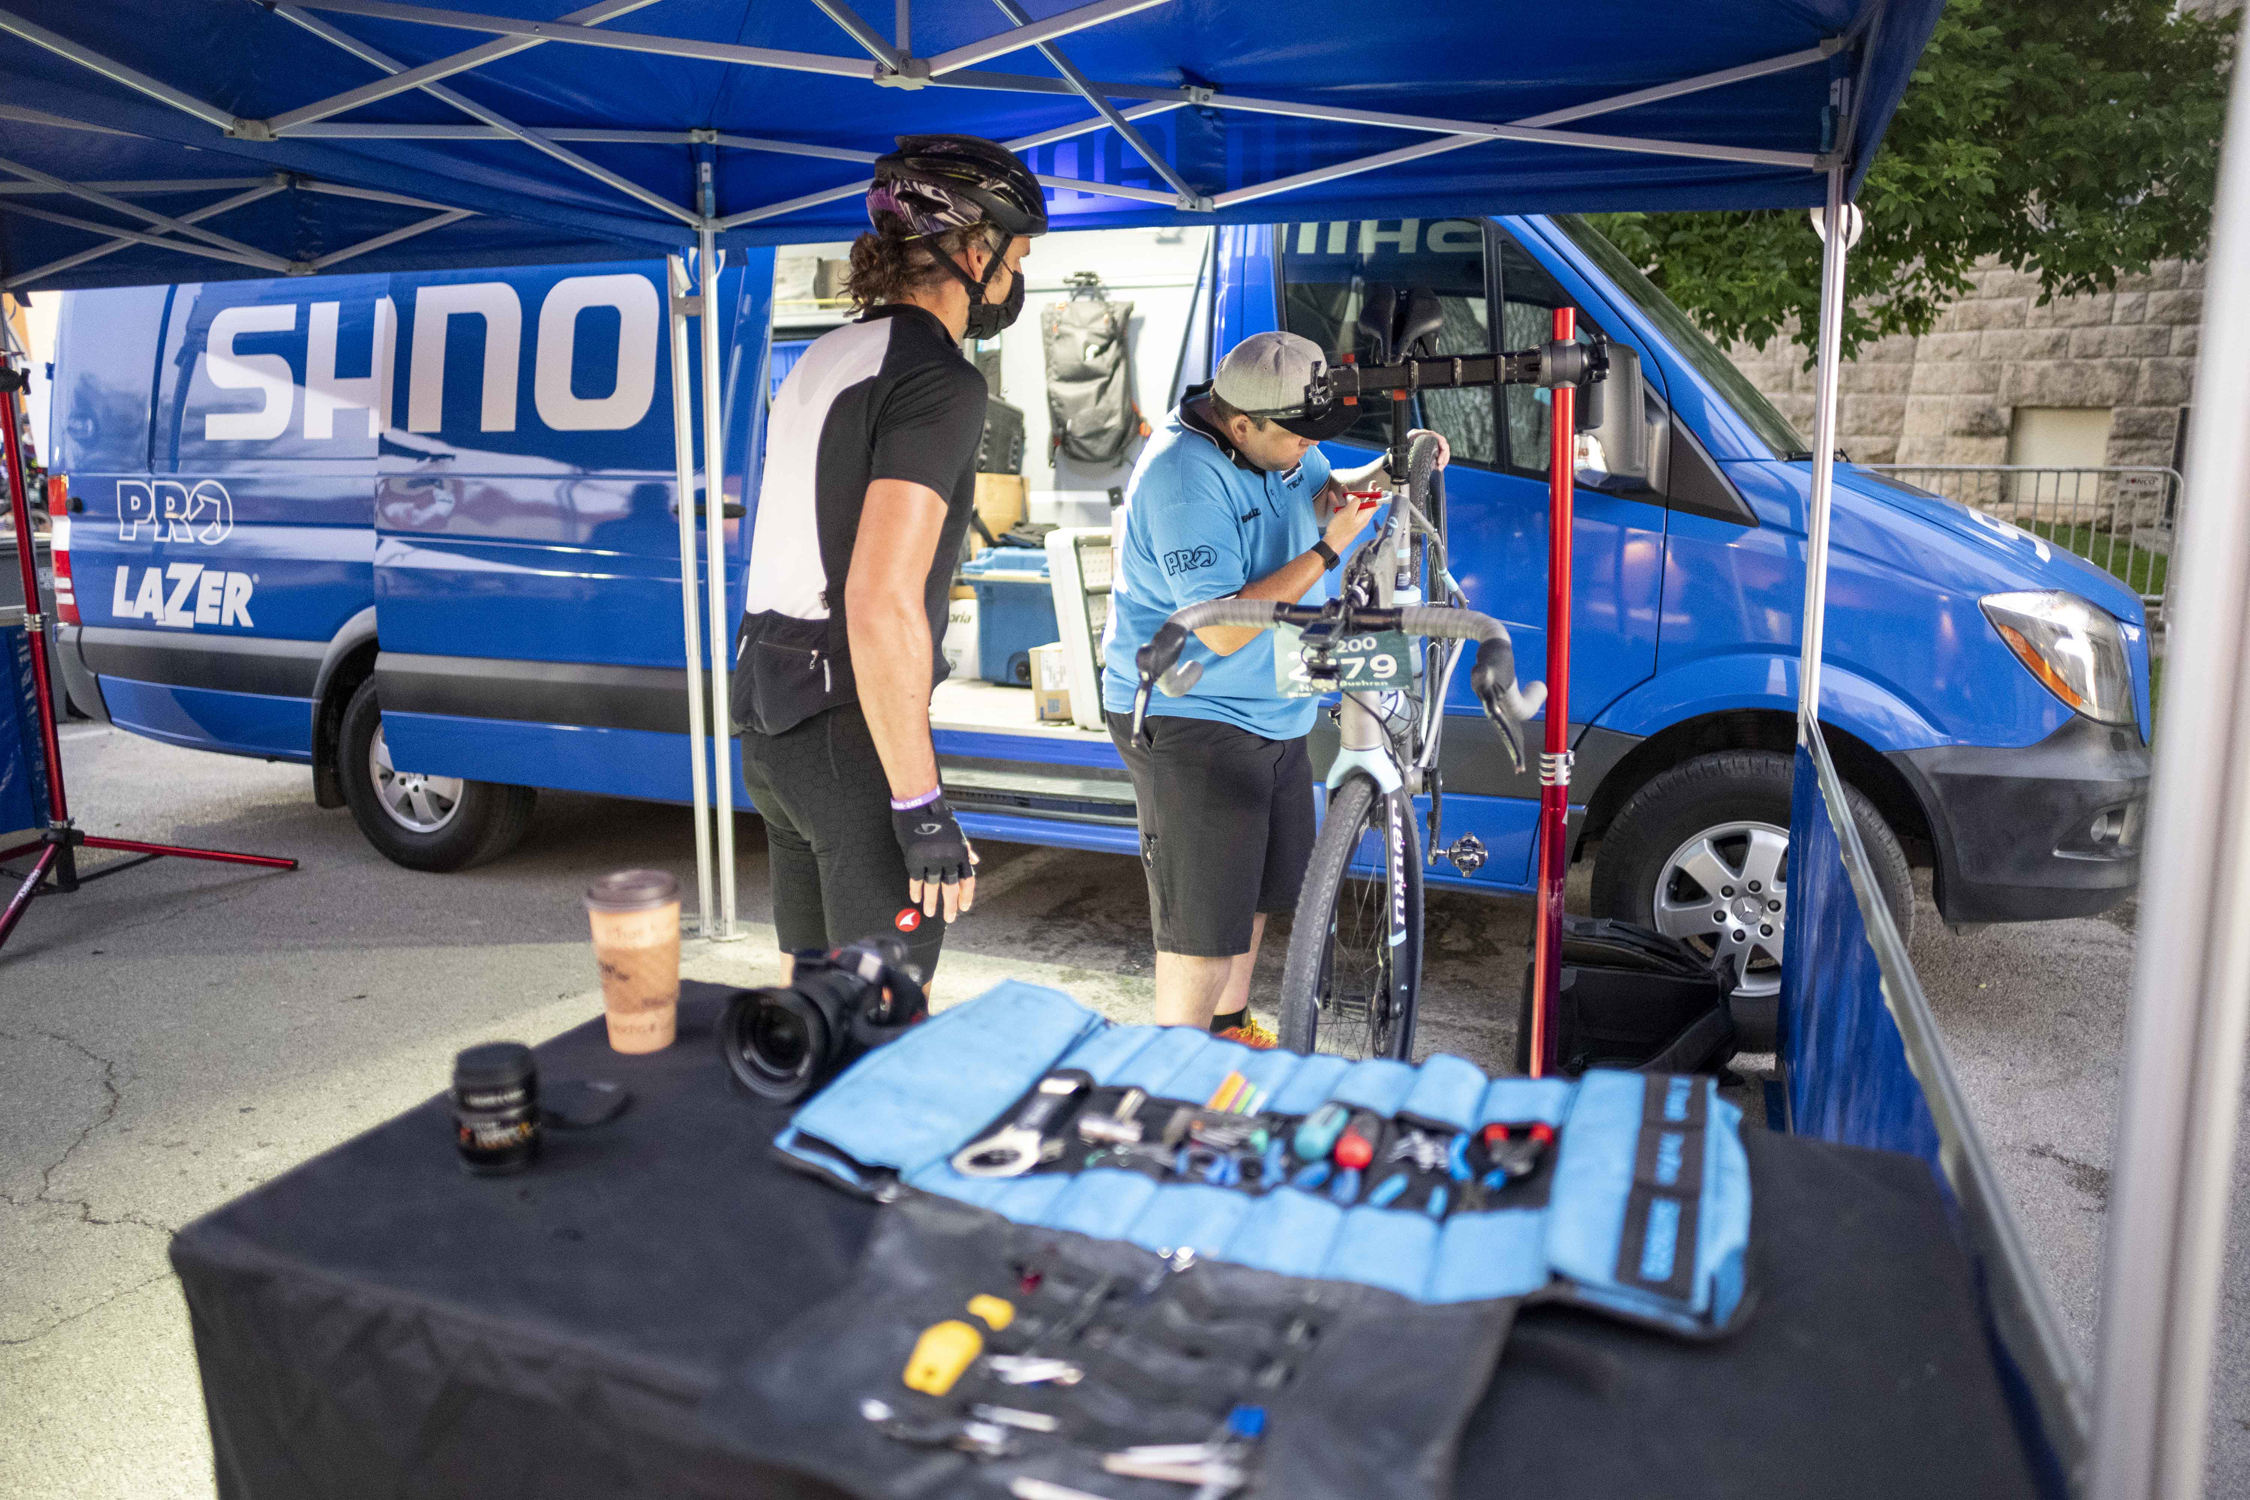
[496,1108]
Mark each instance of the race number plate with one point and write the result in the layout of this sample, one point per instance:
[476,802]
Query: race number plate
[1364,660]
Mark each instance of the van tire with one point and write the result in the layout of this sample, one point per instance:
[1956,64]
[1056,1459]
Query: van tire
[485,821]
[1718,792]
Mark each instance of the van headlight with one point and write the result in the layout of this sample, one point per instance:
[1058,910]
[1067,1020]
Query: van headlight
[2073,647]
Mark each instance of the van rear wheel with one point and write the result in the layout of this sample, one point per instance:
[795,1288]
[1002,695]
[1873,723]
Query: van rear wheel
[436,823]
[1701,853]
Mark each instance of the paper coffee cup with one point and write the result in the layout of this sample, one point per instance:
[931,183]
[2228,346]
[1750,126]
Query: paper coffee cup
[635,916]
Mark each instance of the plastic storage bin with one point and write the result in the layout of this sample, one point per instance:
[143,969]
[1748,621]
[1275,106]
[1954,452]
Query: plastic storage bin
[1015,611]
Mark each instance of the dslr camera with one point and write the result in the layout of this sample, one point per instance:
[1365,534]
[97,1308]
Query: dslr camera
[782,1043]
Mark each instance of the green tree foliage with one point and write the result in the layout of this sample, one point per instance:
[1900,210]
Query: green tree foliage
[2078,139]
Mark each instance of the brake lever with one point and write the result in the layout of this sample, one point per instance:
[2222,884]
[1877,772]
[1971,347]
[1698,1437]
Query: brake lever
[1510,710]
[1508,706]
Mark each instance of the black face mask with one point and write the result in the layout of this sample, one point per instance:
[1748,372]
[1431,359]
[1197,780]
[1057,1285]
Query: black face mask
[986,317]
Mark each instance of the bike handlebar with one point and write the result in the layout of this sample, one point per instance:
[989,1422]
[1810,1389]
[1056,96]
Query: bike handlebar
[1493,678]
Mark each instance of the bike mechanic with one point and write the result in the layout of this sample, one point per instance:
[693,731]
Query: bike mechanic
[1230,499]
[869,484]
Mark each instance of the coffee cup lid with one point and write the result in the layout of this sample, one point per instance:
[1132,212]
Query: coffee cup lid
[632,890]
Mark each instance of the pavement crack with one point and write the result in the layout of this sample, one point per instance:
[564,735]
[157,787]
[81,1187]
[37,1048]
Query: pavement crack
[113,1099]
[2088,1177]
[87,1311]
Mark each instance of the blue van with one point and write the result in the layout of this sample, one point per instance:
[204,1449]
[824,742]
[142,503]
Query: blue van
[417,531]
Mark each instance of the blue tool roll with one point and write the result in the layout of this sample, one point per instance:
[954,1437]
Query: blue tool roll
[1641,1208]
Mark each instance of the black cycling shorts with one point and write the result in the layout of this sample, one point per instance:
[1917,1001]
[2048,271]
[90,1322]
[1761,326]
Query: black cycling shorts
[838,873]
[1226,828]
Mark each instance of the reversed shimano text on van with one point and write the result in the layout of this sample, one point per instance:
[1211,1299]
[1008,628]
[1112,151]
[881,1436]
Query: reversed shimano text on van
[183,595]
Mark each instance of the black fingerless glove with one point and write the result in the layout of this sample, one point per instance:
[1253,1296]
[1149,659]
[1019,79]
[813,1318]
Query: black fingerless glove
[936,850]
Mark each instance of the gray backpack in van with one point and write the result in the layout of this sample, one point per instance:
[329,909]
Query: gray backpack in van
[1090,408]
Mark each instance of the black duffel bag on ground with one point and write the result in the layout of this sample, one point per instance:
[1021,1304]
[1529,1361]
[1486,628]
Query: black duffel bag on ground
[1630,997]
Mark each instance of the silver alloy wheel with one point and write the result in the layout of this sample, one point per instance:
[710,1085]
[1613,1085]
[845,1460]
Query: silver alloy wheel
[422,804]
[1727,891]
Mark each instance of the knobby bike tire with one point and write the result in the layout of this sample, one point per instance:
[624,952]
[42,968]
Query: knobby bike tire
[1344,988]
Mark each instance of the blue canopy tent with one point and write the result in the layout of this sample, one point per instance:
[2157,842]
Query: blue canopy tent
[212,138]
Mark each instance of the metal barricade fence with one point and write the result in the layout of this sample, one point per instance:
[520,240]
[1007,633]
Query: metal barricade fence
[2118,518]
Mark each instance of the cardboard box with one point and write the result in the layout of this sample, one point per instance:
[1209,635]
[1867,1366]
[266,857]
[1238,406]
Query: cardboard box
[960,645]
[1000,505]
[1050,683]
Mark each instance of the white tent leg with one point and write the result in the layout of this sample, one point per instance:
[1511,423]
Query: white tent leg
[2191,975]
[691,615]
[715,528]
[1828,360]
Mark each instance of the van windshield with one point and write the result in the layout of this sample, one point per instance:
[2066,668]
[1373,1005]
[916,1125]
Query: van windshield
[1684,336]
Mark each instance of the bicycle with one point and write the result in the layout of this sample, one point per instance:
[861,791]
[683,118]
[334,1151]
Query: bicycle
[1352,974]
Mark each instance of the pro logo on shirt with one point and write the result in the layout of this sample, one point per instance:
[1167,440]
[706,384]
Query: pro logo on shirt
[908,918]
[1187,560]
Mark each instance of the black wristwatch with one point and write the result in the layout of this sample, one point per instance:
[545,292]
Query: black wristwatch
[1328,557]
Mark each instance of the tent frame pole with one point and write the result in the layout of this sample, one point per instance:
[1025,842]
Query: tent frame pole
[212,211]
[1188,197]
[715,532]
[288,124]
[402,78]
[691,614]
[2181,1104]
[1828,362]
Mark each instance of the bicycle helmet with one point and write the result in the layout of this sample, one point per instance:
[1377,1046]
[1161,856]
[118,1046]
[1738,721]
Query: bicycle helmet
[933,183]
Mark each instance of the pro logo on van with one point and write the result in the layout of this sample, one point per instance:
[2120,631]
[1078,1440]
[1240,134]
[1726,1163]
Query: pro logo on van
[173,512]
[183,595]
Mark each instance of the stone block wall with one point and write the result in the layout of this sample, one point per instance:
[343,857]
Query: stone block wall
[1949,396]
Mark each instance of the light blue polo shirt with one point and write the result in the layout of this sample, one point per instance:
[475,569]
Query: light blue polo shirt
[1199,526]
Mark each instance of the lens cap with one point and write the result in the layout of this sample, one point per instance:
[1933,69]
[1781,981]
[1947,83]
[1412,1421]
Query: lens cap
[581,1103]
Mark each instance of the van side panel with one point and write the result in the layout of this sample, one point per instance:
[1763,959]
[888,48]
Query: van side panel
[212,578]
[527,553]
[1902,618]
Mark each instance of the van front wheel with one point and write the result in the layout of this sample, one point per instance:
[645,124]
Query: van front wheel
[423,822]
[1701,853]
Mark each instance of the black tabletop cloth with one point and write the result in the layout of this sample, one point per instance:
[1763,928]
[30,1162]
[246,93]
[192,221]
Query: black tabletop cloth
[379,1323]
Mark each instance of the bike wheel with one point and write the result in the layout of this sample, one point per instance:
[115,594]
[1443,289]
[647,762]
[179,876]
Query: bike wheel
[1346,986]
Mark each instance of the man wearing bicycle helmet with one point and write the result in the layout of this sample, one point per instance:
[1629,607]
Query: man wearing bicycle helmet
[869,483]
[1230,499]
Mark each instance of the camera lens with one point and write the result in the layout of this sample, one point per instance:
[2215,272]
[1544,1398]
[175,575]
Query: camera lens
[775,1042]
[778,1042]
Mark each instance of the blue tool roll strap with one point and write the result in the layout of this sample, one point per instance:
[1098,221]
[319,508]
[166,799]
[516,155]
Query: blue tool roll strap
[1623,1191]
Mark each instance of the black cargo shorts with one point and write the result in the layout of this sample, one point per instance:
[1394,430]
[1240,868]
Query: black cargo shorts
[1226,828]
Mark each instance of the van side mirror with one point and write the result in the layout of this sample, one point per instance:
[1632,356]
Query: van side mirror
[1614,448]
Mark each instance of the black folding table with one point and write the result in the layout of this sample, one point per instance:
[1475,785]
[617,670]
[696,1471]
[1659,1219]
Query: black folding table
[377,1322]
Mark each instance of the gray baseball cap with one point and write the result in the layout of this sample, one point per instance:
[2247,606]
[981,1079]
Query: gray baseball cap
[1266,375]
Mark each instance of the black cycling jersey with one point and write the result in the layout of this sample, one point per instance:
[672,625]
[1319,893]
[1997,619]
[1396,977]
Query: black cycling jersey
[886,397]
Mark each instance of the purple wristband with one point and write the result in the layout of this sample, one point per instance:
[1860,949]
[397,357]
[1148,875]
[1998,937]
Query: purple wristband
[924,800]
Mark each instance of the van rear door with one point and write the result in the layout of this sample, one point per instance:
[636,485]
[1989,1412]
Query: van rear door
[245,547]
[527,555]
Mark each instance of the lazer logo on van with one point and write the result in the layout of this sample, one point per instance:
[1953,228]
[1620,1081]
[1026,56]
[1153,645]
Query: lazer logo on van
[183,595]
[174,512]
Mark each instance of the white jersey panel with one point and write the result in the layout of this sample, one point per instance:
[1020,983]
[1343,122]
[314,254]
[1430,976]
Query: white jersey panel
[786,574]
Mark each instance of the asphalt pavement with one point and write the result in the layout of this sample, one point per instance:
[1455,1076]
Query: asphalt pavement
[182,1032]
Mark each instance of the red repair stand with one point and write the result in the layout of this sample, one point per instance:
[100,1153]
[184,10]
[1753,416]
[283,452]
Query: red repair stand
[1554,765]
[58,846]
